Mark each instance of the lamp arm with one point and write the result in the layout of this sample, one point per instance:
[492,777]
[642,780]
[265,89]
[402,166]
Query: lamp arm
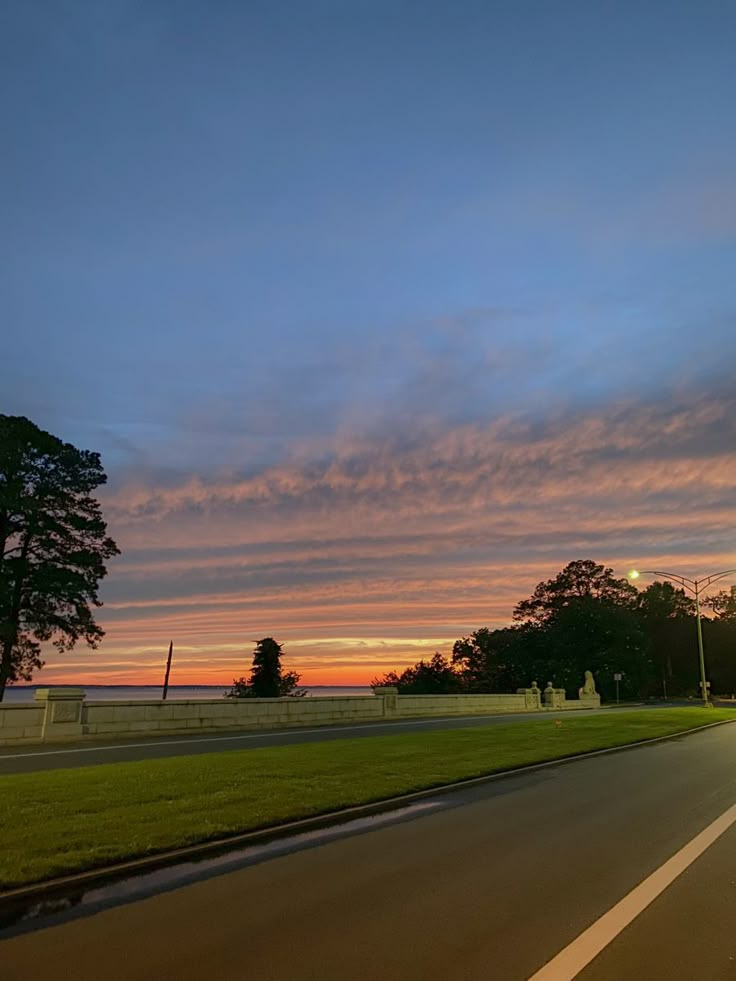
[709,580]
[690,584]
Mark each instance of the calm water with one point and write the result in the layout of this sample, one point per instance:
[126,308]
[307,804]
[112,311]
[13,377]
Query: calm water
[101,693]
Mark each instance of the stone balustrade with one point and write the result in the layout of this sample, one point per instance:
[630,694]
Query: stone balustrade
[63,714]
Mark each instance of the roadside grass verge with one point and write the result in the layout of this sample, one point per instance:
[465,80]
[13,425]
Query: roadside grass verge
[62,821]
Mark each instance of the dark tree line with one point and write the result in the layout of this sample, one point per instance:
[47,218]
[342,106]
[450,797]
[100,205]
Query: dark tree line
[586,619]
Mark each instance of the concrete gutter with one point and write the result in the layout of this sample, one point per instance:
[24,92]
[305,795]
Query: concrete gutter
[53,890]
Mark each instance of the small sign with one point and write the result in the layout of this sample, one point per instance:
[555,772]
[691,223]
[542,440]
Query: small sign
[700,684]
[618,677]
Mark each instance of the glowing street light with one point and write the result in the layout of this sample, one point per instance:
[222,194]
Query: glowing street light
[696,586]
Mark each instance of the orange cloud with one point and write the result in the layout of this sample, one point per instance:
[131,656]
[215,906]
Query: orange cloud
[417,538]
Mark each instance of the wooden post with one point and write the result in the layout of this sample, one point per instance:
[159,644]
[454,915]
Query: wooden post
[168,669]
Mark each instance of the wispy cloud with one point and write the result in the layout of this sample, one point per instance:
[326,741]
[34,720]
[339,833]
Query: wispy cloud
[418,538]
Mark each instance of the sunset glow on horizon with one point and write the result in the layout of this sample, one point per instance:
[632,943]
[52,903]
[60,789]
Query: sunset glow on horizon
[383,563]
[370,353]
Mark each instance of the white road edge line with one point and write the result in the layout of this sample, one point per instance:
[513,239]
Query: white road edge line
[572,959]
[253,735]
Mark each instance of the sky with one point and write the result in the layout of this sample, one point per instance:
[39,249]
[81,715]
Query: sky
[379,313]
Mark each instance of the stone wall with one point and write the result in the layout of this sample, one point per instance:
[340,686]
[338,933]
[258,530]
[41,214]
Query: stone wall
[61,714]
[103,718]
[20,723]
[439,705]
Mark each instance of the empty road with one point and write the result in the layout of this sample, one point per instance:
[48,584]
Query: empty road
[488,884]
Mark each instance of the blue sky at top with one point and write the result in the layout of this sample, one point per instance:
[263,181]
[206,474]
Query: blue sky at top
[205,202]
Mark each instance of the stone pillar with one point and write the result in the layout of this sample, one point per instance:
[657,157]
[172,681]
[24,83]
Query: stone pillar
[591,701]
[554,698]
[390,696]
[62,718]
[532,696]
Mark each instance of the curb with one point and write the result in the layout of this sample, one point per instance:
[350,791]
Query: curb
[55,888]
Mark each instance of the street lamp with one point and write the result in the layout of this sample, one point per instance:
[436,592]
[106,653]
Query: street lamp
[696,586]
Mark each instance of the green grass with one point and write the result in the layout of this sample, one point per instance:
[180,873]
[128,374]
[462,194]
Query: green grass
[63,821]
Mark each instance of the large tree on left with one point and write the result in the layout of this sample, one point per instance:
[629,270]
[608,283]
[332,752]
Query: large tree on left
[53,546]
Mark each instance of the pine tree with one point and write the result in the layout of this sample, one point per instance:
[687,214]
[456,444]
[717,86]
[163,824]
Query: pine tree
[53,543]
[267,680]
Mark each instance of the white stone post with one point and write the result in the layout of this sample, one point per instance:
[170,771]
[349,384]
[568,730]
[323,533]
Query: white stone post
[390,696]
[62,718]
[532,696]
[554,697]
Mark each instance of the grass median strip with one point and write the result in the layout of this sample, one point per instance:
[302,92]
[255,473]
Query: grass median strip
[61,821]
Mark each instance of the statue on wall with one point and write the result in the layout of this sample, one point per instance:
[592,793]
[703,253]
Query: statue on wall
[588,685]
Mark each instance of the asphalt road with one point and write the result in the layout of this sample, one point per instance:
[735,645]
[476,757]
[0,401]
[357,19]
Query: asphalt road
[30,758]
[487,884]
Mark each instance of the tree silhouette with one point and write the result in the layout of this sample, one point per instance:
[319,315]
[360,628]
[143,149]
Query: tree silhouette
[492,660]
[668,615]
[723,604]
[267,680]
[578,580]
[433,677]
[53,544]
[585,619]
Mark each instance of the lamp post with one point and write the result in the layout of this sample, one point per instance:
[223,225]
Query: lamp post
[696,586]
